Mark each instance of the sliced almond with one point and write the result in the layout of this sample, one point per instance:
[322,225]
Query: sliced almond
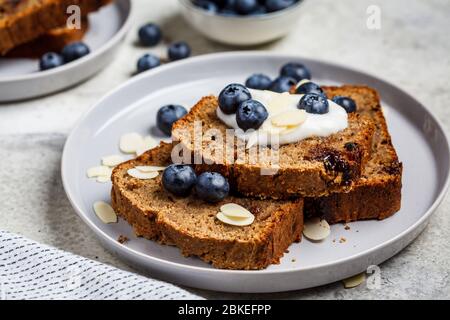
[354,281]
[99,171]
[288,130]
[147,169]
[233,210]
[271,129]
[289,118]
[135,173]
[279,102]
[131,142]
[235,222]
[105,212]
[316,229]
[112,161]
[148,144]
[104,179]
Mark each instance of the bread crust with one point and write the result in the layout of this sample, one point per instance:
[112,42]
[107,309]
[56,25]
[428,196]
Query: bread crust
[25,20]
[264,247]
[377,195]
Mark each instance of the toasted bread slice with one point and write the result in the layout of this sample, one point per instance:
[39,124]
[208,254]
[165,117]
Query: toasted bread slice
[53,41]
[308,168]
[22,21]
[377,194]
[191,224]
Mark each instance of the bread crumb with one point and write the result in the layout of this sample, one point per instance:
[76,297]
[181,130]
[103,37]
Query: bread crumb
[347,227]
[122,239]
[342,240]
[286,251]
[293,260]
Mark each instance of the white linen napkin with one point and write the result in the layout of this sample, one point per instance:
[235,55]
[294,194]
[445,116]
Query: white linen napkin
[29,270]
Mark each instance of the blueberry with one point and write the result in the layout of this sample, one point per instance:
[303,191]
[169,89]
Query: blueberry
[179,179]
[179,50]
[245,6]
[232,96]
[251,114]
[75,51]
[295,70]
[259,11]
[167,116]
[148,62]
[276,5]
[212,187]
[314,103]
[347,103]
[228,12]
[150,35]
[258,81]
[50,60]
[282,84]
[309,87]
[207,5]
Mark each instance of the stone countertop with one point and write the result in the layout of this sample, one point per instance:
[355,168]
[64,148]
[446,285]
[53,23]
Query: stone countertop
[411,50]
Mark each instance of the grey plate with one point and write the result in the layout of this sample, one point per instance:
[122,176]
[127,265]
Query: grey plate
[20,78]
[417,135]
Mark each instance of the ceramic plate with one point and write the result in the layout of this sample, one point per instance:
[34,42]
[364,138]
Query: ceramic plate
[21,79]
[420,141]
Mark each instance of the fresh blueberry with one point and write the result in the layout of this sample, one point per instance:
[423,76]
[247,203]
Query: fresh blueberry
[148,62]
[228,12]
[309,87]
[50,60]
[179,50]
[207,5]
[314,103]
[251,114]
[345,102]
[245,6]
[75,51]
[179,179]
[167,116]
[260,9]
[258,81]
[277,5]
[212,187]
[232,96]
[295,70]
[150,35]
[282,84]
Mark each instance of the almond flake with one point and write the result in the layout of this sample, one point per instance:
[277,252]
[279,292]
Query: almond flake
[235,222]
[289,118]
[147,169]
[131,142]
[354,281]
[112,161]
[135,173]
[232,210]
[148,144]
[105,212]
[302,82]
[98,171]
[316,229]
[103,179]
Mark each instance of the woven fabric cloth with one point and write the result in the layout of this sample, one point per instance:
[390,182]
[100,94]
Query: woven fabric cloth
[29,270]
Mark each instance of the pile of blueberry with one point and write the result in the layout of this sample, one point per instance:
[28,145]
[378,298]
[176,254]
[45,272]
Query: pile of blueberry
[243,7]
[70,52]
[292,73]
[180,180]
[150,35]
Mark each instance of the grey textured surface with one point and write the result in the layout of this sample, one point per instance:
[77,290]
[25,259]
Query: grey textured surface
[411,50]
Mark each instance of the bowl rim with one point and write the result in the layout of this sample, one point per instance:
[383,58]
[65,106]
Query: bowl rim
[266,16]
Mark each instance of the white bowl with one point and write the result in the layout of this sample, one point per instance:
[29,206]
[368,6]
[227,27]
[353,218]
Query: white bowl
[241,30]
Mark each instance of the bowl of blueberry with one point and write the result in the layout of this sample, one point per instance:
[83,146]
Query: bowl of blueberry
[242,22]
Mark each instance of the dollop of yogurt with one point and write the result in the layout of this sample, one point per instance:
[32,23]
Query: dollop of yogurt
[313,125]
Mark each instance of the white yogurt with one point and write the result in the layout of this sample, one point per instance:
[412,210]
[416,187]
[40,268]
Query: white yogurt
[315,125]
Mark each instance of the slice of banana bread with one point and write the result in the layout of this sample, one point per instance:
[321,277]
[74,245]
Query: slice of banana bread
[191,224]
[377,194]
[53,41]
[22,21]
[308,168]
